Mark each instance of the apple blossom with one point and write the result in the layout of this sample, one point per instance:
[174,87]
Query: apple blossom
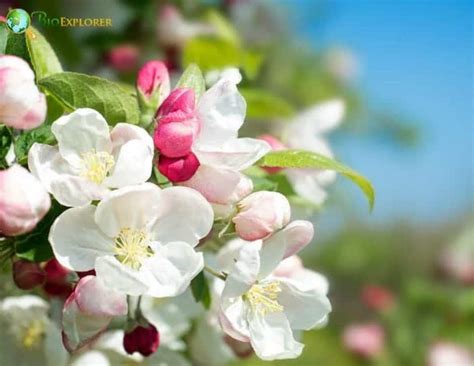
[260,214]
[22,105]
[264,309]
[447,353]
[124,57]
[23,201]
[222,155]
[28,336]
[139,239]
[365,340]
[85,317]
[153,84]
[89,160]
[377,297]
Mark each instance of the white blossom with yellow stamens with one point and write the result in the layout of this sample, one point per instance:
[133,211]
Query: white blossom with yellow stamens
[89,160]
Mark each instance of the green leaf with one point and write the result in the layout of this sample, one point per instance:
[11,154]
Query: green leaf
[200,290]
[211,53]
[35,246]
[308,159]
[223,27]
[263,184]
[251,63]
[24,142]
[5,143]
[75,90]
[3,37]
[16,46]
[43,58]
[192,78]
[262,104]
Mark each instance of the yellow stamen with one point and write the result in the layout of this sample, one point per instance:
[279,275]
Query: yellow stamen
[132,246]
[32,334]
[263,297]
[95,165]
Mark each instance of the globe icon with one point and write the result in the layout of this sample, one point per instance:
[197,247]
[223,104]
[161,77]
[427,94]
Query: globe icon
[18,20]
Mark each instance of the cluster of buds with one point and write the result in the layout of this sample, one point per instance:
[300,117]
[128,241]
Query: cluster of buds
[177,126]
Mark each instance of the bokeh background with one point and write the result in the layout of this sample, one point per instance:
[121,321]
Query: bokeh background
[402,276]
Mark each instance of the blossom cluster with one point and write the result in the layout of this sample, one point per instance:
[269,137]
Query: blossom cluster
[145,211]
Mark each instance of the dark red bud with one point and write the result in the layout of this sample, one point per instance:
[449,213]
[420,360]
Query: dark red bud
[27,275]
[55,271]
[144,340]
[178,169]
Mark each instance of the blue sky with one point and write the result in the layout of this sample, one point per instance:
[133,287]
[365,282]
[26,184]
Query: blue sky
[417,59]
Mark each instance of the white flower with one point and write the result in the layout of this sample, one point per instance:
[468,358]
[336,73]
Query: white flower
[89,160]
[306,132]
[266,309]
[221,153]
[139,239]
[28,336]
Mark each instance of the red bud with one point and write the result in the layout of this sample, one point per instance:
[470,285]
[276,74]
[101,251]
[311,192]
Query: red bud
[27,275]
[144,340]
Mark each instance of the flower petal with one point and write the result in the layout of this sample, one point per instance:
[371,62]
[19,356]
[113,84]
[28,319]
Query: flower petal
[222,112]
[272,338]
[60,179]
[119,277]
[304,308]
[221,186]
[235,154]
[182,215]
[232,319]
[172,268]
[92,297]
[133,153]
[76,240]
[132,207]
[81,131]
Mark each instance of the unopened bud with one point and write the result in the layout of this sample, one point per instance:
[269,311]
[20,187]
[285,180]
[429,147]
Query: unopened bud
[142,339]
[153,85]
[178,169]
[27,275]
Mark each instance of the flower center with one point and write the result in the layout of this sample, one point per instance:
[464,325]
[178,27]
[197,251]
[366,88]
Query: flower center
[32,334]
[263,298]
[132,246]
[95,165]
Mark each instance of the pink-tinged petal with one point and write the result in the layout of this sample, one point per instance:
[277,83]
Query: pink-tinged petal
[23,201]
[260,214]
[153,78]
[93,297]
[299,233]
[80,329]
[232,320]
[178,169]
[180,100]
[220,186]
[175,139]
[289,266]
[366,340]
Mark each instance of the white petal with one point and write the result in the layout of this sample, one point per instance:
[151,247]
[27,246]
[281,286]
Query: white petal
[81,131]
[182,215]
[132,207]
[80,329]
[89,358]
[272,338]
[229,253]
[303,308]
[320,118]
[232,318]
[120,277]
[92,297]
[221,186]
[306,184]
[285,243]
[235,154]
[59,178]
[133,154]
[172,268]
[222,112]
[244,271]
[306,279]
[76,239]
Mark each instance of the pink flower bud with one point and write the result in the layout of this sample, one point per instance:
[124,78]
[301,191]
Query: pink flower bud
[27,275]
[178,169]
[447,353]
[260,214]
[276,145]
[142,339]
[377,298]
[124,58]
[23,201]
[153,81]
[364,340]
[22,106]
[178,124]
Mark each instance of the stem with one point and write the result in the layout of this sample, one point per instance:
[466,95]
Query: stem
[213,272]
